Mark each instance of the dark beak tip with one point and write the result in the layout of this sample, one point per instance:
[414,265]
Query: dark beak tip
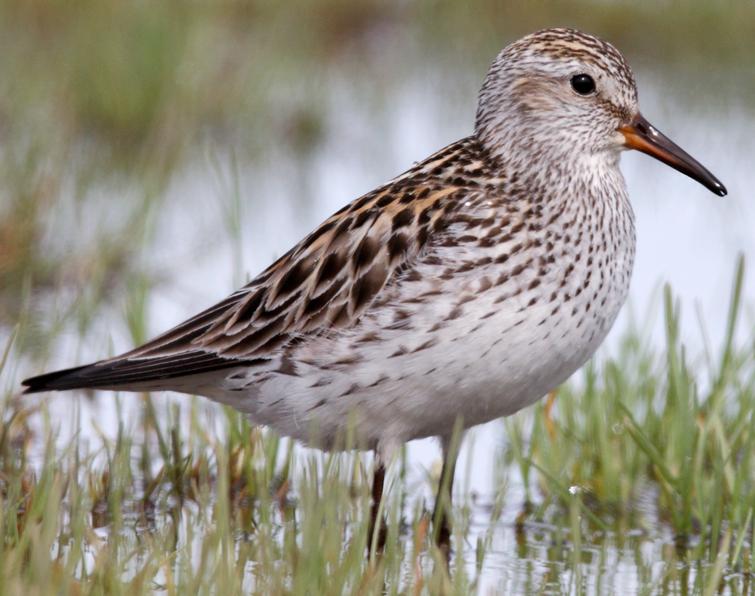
[716,187]
[643,136]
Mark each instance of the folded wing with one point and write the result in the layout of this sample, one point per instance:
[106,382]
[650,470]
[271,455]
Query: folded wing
[323,284]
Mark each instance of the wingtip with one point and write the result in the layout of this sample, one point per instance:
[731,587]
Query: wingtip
[135,374]
[27,390]
[31,385]
[58,380]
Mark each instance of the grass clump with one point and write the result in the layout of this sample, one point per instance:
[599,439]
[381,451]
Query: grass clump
[643,476]
[647,452]
[656,444]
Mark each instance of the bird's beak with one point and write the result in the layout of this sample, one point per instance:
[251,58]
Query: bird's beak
[643,136]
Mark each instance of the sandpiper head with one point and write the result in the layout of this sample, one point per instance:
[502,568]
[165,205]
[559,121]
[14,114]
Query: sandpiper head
[566,95]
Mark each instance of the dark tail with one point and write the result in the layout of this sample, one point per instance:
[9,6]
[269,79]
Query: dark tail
[60,380]
[134,374]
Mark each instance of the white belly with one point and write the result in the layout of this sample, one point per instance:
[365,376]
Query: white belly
[416,382]
[477,345]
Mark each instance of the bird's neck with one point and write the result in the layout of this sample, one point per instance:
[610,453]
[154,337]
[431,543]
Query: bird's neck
[557,168]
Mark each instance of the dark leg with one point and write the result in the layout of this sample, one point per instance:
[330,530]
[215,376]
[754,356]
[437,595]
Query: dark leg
[442,513]
[378,478]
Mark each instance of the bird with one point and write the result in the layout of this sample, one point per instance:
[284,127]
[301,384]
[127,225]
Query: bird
[461,291]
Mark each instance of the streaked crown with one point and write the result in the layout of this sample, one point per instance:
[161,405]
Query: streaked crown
[528,101]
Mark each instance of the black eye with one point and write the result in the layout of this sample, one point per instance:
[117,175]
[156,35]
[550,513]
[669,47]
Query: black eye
[583,84]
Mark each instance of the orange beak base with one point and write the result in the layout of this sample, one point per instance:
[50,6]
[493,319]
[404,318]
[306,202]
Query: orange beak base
[643,136]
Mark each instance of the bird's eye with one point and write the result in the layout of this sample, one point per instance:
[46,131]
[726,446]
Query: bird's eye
[583,84]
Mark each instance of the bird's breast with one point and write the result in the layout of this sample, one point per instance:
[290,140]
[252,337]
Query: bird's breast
[501,311]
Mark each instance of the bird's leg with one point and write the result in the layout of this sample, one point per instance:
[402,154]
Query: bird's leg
[549,424]
[377,525]
[443,500]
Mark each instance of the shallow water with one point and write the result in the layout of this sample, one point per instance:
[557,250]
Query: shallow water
[686,237]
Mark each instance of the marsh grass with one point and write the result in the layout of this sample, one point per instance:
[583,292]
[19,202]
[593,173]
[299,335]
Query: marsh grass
[656,427]
[643,478]
[645,449]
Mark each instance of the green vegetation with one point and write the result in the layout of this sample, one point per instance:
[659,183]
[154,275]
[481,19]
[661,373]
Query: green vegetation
[652,442]
[174,502]
[643,478]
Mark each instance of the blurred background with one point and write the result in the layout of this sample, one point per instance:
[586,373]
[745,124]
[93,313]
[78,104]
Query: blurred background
[154,156]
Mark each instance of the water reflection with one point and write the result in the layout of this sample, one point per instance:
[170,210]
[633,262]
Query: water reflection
[686,237]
